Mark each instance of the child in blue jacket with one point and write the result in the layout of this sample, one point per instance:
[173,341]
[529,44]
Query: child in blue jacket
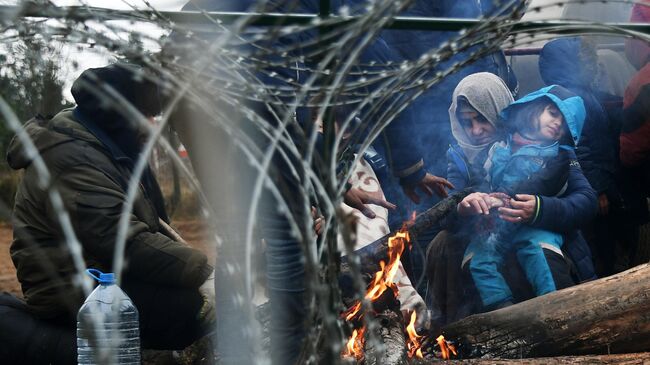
[544,129]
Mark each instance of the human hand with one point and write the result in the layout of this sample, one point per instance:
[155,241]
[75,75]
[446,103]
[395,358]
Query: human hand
[319,221]
[473,204]
[521,210]
[498,200]
[429,184]
[603,204]
[358,199]
[207,312]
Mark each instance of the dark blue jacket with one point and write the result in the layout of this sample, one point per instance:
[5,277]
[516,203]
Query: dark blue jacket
[565,214]
[461,173]
[570,63]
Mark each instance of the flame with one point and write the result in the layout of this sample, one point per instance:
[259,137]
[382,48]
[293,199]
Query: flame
[445,347]
[413,345]
[382,281]
[354,347]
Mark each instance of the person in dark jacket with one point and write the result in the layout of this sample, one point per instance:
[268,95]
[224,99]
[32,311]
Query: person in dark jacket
[572,62]
[450,297]
[90,152]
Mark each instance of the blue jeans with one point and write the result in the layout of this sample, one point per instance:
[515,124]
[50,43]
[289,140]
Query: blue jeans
[487,255]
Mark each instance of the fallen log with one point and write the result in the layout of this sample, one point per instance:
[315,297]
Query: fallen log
[618,359]
[610,315]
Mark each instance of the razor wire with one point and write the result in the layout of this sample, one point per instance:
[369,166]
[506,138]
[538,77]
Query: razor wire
[226,73]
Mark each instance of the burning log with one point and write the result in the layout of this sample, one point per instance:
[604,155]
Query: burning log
[383,259]
[610,315]
[390,344]
[390,333]
[392,340]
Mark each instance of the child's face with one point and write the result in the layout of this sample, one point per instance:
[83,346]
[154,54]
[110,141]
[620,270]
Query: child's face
[550,126]
[478,129]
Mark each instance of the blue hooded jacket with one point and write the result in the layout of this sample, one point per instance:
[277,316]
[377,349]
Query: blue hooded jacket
[572,63]
[535,169]
[577,203]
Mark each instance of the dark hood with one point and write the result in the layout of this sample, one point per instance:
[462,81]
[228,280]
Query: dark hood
[97,94]
[568,62]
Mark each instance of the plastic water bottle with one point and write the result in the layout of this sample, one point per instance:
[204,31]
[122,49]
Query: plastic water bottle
[108,331]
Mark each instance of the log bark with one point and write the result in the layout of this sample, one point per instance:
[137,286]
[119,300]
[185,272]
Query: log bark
[391,346]
[392,340]
[619,359]
[610,315]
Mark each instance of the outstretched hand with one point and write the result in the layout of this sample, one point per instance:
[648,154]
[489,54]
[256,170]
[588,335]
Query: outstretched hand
[481,203]
[358,199]
[429,184]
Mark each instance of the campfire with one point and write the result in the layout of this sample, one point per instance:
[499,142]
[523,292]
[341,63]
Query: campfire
[382,281]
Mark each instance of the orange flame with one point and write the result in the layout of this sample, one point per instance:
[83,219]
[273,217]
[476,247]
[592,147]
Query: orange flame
[354,347]
[382,281]
[413,345]
[445,347]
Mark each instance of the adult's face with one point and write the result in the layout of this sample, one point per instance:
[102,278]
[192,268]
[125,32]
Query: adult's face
[478,129]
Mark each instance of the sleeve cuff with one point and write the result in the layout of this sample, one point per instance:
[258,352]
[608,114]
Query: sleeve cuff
[538,209]
[412,174]
[412,179]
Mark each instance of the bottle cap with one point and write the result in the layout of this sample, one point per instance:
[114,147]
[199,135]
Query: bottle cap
[103,278]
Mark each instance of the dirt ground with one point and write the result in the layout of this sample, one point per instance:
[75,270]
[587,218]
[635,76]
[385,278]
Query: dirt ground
[193,231]
[8,280]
